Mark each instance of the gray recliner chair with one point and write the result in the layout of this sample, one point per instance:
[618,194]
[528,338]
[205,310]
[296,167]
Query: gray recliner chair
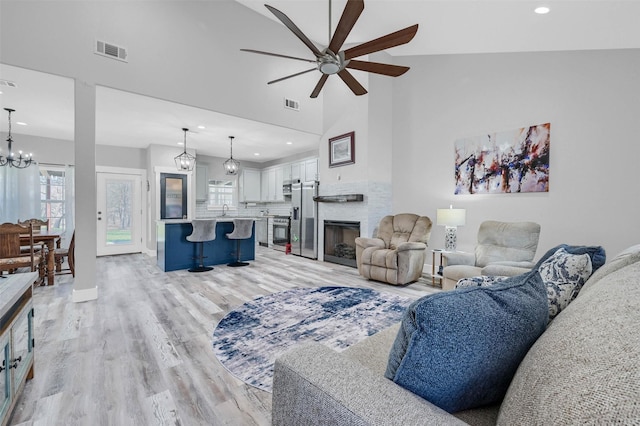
[397,253]
[504,249]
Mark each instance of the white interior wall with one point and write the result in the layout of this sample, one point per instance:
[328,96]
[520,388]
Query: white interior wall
[591,99]
[181,51]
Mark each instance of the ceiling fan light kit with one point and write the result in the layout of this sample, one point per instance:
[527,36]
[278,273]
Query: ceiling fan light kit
[19,162]
[334,61]
[185,161]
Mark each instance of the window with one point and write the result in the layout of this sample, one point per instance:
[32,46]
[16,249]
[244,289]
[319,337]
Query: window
[221,192]
[52,197]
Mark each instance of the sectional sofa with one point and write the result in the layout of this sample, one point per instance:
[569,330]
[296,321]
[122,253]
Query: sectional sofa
[583,369]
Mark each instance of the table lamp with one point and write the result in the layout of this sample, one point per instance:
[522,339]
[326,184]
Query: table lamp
[451,218]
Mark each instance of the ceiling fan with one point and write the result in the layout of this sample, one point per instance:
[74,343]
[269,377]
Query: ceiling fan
[332,60]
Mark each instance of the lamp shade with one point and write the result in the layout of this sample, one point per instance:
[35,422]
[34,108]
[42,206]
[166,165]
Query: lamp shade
[451,217]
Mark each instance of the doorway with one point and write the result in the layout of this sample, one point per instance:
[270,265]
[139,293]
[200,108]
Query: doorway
[119,213]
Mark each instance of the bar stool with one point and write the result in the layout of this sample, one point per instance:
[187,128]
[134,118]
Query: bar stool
[242,229]
[203,230]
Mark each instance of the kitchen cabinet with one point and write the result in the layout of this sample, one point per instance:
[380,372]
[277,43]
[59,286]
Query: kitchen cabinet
[16,339]
[202,182]
[311,169]
[262,232]
[249,185]
[305,170]
[264,185]
[272,184]
[295,171]
[279,180]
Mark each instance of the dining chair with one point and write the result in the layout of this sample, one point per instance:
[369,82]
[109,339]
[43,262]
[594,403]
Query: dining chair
[69,253]
[37,224]
[11,255]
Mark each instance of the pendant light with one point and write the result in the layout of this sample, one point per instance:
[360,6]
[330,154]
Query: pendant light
[185,161]
[231,166]
[21,162]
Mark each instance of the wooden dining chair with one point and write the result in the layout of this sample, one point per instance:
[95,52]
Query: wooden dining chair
[69,253]
[11,255]
[36,223]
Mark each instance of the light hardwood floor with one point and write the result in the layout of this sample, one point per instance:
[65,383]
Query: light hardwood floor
[142,354]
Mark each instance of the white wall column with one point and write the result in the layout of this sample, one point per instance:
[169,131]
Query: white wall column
[84,285]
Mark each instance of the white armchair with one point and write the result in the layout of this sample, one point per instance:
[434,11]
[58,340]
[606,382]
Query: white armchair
[504,249]
[397,253]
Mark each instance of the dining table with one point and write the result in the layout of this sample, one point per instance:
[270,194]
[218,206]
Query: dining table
[49,238]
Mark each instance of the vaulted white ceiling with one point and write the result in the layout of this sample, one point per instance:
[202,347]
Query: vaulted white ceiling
[45,102]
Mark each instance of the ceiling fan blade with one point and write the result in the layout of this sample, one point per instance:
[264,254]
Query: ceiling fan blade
[378,68]
[294,29]
[318,88]
[350,15]
[260,52]
[390,40]
[292,75]
[353,84]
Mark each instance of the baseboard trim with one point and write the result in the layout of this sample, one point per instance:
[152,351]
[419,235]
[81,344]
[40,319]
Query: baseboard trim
[84,295]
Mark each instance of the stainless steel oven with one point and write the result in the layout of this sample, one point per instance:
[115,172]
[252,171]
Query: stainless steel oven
[281,232]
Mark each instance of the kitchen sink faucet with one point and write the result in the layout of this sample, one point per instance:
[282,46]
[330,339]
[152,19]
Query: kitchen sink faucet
[224,212]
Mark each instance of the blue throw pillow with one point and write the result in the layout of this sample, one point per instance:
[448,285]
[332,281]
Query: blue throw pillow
[460,349]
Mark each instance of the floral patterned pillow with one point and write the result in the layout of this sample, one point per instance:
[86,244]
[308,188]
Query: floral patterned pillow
[482,281]
[564,274]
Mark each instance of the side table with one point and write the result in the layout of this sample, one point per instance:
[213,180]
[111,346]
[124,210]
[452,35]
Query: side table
[437,276]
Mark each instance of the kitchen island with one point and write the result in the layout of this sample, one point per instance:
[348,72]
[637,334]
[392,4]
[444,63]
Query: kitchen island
[175,252]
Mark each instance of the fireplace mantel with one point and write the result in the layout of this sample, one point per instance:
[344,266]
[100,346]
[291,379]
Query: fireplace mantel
[343,198]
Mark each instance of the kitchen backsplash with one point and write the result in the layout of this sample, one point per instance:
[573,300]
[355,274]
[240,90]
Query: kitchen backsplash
[274,209]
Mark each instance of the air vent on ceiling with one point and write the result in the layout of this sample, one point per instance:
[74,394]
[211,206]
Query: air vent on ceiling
[8,83]
[291,104]
[111,50]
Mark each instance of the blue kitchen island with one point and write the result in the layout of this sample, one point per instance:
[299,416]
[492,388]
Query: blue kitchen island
[175,252]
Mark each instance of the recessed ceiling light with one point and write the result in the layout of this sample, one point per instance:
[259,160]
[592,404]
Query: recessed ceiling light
[542,10]
[180,143]
[22,123]
[289,143]
[257,154]
[201,127]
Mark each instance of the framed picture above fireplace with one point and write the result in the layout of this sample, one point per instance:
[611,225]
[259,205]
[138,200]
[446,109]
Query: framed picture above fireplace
[342,150]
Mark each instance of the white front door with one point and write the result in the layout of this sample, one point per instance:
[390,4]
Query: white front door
[119,213]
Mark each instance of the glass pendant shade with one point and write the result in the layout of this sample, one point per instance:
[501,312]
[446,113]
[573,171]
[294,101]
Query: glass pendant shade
[231,166]
[185,161]
[22,161]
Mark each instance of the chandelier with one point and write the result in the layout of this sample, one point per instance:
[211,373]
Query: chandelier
[20,162]
[231,166]
[185,161]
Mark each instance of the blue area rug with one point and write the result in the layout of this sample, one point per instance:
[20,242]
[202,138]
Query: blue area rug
[249,339]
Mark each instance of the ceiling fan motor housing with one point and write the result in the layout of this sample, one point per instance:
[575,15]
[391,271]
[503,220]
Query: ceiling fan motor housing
[330,63]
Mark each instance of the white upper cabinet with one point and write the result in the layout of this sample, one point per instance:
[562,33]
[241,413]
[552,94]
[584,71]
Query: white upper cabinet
[249,185]
[202,187]
[311,169]
[266,185]
[295,171]
[279,179]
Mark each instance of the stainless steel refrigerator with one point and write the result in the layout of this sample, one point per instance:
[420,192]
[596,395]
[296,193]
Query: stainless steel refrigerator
[304,219]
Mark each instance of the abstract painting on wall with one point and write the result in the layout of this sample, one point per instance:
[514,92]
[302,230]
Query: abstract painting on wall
[504,162]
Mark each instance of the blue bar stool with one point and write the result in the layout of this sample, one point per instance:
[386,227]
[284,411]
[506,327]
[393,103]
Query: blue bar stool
[242,229]
[203,230]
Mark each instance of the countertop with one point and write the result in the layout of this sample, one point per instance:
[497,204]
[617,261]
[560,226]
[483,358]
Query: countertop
[219,219]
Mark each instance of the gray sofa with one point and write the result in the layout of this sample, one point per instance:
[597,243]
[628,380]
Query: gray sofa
[584,369]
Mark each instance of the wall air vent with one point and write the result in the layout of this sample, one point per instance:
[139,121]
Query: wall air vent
[8,83]
[111,50]
[291,104]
